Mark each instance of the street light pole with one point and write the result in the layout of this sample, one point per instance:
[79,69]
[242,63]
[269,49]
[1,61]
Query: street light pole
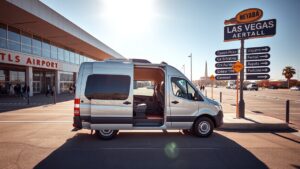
[191,56]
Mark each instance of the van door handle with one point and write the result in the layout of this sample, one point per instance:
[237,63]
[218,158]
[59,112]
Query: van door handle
[175,102]
[126,102]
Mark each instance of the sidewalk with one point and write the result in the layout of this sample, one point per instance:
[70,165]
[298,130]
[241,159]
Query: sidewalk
[40,99]
[251,122]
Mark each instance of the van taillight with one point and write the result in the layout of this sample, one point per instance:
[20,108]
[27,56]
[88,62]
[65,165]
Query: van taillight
[76,107]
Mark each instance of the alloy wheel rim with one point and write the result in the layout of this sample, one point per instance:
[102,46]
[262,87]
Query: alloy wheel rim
[106,132]
[204,127]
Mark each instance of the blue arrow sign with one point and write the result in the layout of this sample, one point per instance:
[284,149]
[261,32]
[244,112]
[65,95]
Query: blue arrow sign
[226,58]
[227,52]
[226,77]
[258,56]
[225,71]
[224,64]
[258,70]
[262,49]
[257,63]
[257,76]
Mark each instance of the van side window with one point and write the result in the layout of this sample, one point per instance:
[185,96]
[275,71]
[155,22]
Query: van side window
[107,87]
[181,88]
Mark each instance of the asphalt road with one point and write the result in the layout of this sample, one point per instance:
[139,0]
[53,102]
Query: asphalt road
[41,137]
[264,101]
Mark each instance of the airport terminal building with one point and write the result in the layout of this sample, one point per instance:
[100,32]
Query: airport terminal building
[41,49]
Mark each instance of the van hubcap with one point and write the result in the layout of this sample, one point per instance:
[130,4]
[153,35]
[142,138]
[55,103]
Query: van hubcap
[106,132]
[204,127]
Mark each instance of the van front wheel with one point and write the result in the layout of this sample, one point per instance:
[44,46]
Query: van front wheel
[106,134]
[203,127]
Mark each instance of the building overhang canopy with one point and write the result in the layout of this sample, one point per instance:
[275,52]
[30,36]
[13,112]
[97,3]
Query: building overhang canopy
[37,18]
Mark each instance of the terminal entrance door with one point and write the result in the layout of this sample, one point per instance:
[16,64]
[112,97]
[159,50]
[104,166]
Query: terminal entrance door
[37,82]
[36,86]
[41,80]
[49,80]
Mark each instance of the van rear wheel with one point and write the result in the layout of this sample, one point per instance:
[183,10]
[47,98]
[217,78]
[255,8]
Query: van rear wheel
[203,127]
[106,134]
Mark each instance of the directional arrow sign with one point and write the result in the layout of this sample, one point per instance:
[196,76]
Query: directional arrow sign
[224,65]
[258,70]
[257,76]
[262,49]
[258,56]
[257,63]
[224,71]
[226,58]
[227,52]
[226,77]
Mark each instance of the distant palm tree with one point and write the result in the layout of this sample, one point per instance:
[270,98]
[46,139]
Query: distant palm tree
[288,72]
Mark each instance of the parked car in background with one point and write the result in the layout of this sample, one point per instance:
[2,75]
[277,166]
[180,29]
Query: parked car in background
[295,88]
[252,86]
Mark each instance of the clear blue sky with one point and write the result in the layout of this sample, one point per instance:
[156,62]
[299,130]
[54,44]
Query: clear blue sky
[169,30]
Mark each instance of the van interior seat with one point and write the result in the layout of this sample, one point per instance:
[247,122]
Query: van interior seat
[140,110]
[159,94]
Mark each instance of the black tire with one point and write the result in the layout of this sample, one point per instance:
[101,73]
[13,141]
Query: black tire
[106,134]
[203,127]
[187,131]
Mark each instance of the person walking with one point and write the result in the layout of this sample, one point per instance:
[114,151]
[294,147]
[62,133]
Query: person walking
[23,91]
[48,90]
[53,90]
[27,91]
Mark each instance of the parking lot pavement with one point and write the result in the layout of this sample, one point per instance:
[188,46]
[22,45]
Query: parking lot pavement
[265,102]
[41,137]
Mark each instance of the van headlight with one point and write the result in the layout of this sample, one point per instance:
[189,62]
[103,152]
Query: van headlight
[219,106]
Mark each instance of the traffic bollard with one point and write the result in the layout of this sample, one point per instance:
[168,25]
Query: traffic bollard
[220,97]
[287,111]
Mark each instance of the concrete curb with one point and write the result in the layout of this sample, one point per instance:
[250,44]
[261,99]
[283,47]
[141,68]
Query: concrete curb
[255,127]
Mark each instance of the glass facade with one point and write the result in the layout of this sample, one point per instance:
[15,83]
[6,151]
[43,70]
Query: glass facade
[46,49]
[53,52]
[36,46]
[66,81]
[3,37]
[26,43]
[14,39]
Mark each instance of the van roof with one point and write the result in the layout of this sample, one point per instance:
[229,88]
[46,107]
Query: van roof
[138,62]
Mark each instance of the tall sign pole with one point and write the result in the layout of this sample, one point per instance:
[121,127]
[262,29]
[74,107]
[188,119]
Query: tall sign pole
[242,102]
[191,67]
[246,25]
[238,67]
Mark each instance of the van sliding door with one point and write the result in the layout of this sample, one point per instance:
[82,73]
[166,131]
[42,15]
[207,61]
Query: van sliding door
[111,95]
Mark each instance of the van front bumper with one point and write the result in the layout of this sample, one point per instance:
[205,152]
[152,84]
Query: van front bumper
[218,119]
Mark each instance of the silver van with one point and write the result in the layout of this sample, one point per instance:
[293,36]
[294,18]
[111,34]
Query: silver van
[123,94]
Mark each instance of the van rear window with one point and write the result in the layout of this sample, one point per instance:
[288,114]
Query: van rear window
[107,87]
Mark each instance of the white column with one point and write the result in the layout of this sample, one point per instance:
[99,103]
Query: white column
[29,79]
[57,82]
